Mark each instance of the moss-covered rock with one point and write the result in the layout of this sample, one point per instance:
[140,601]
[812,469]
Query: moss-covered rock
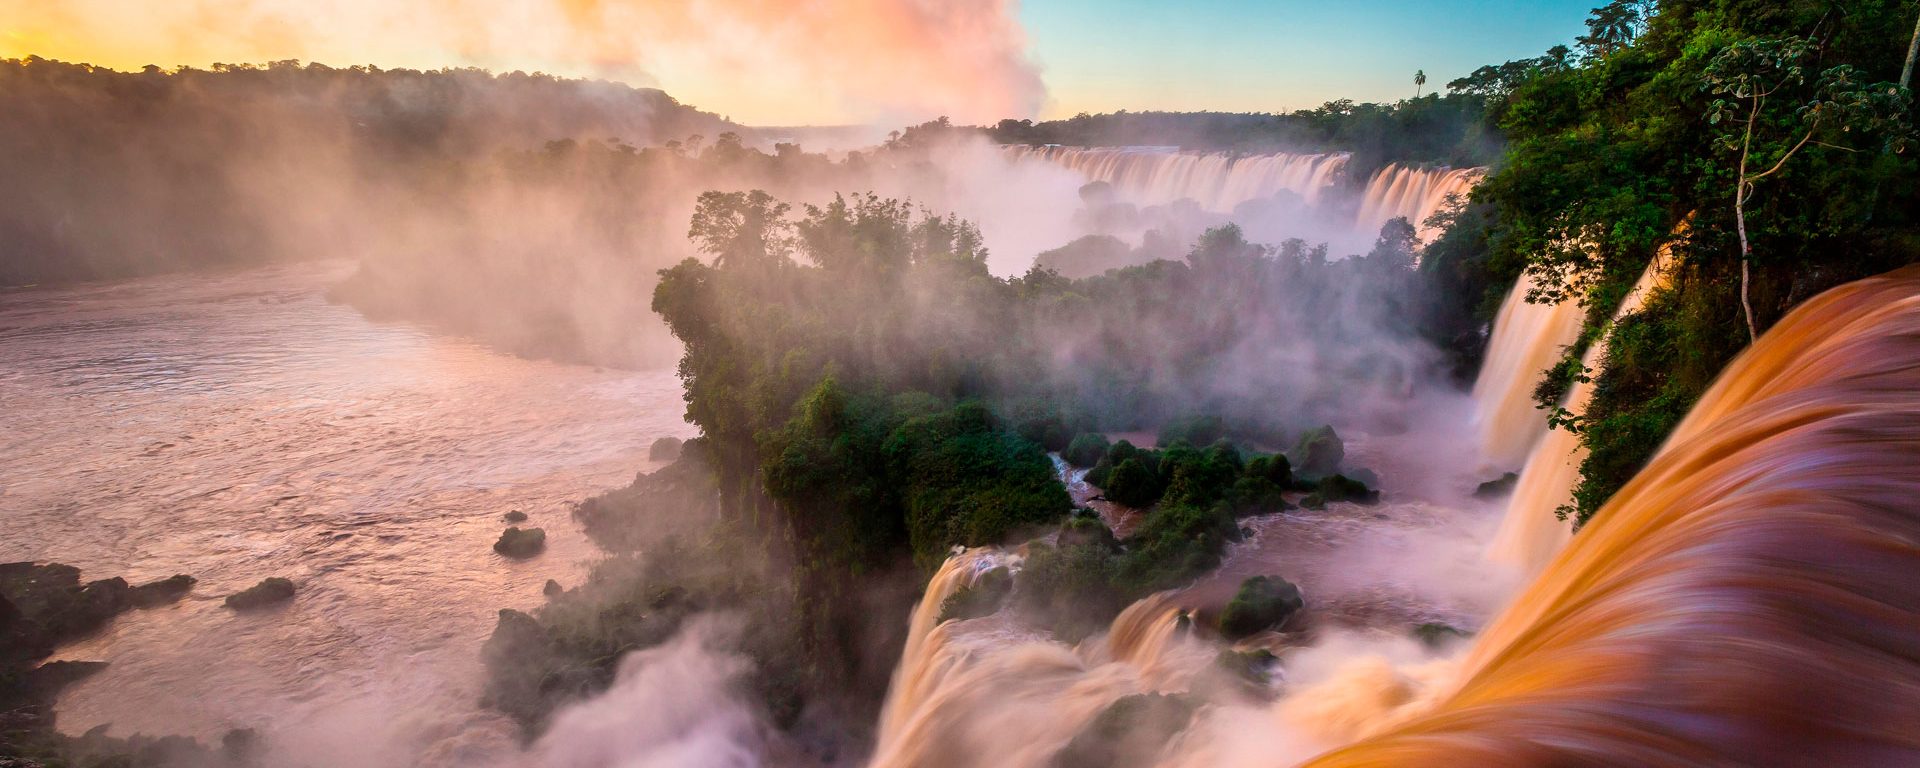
[1319,452]
[1338,487]
[521,543]
[272,590]
[981,598]
[1263,603]
[1129,732]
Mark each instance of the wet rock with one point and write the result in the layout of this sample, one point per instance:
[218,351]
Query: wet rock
[241,746]
[271,591]
[521,543]
[515,516]
[1319,452]
[981,598]
[46,680]
[1497,488]
[665,449]
[162,592]
[552,589]
[1436,634]
[1263,603]
[1130,732]
[1339,487]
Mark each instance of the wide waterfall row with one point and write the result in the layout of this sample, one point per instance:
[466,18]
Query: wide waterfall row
[1220,181]
[1217,181]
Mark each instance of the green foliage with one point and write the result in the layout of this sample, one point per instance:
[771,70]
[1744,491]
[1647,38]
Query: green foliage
[1608,156]
[1086,449]
[1263,603]
[1193,430]
[967,483]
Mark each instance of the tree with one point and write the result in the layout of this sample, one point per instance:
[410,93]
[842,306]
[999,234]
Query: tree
[1419,82]
[1614,26]
[1748,73]
[741,228]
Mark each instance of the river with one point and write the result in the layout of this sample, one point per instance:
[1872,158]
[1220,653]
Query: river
[237,426]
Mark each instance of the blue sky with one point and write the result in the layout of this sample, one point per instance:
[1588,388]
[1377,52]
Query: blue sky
[1245,55]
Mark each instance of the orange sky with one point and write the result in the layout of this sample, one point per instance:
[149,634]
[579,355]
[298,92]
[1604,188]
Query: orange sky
[758,61]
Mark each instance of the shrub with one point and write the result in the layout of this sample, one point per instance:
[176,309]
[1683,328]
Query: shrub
[1263,602]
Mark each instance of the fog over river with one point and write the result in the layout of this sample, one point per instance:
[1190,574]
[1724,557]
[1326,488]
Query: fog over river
[239,426]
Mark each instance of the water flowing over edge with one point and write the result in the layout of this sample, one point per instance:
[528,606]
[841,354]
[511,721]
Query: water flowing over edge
[1747,598]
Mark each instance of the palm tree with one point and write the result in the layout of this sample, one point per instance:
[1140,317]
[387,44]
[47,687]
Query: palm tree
[1419,82]
[1613,26]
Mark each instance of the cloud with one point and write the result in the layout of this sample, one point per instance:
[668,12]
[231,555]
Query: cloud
[766,61]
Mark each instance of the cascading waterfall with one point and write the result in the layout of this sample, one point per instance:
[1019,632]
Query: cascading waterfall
[1217,181]
[1532,532]
[1414,193]
[1747,599]
[995,697]
[1526,339]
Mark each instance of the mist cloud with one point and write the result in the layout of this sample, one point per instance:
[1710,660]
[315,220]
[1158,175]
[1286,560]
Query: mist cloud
[836,60]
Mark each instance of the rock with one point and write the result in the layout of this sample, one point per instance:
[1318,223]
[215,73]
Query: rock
[552,589]
[240,746]
[1130,732]
[161,592]
[665,449]
[1497,488]
[515,516]
[1436,634]
[1319,452]
[45,681]
[521,543]
[1339,487]
[272,590]
[981,598]
[1263,603]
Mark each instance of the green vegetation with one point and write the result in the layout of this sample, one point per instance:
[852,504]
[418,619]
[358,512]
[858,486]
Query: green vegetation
[1263,603]
[1760,141]
[1448,130]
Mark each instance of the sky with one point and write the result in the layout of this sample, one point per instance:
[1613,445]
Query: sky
[886,62]
[1273,55]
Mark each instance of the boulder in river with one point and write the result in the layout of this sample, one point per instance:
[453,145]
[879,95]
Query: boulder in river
[161,592]
[1263,603]
[515,516]
[521,543]
[552,589]
[1497,488]
[272,590]
[1319,452]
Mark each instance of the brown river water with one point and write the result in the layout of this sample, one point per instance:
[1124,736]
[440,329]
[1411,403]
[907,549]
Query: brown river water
[239,426]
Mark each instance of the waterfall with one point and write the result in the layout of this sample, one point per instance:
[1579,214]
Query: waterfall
[1414,193]
[1526,339]
[1219,181]
[997,698]
[1747,599]
[1531,532]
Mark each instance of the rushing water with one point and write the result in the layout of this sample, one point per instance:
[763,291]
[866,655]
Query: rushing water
[239,426]
[1748,598]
